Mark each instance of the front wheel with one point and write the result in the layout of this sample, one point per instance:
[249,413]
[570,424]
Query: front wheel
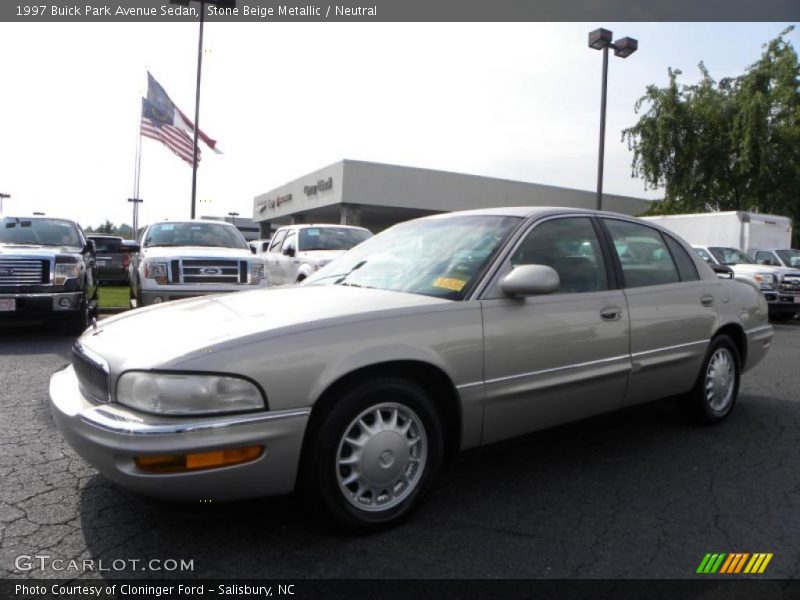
[375,454]
[717,387]
[77,322]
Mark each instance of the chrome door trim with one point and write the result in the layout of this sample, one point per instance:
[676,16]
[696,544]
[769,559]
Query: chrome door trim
[556,369]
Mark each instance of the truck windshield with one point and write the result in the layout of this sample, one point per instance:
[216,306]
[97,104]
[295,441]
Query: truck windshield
[730,256]
[214,235]
[39,232]
[331,238]
[790,257]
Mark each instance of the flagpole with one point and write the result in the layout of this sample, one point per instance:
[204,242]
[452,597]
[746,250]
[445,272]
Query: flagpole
[136,187]
[197,105]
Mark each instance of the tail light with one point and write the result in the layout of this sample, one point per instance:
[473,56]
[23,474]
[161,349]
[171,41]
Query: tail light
[126,260]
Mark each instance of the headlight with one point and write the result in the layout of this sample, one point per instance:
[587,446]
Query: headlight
[178,394]
[256,272]
[765,281]
[156,271]
[66,271]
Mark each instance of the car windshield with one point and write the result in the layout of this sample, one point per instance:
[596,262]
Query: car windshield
[331,238]
[438,256]
[790,257]
[215,235]
[730,256]
[39,232]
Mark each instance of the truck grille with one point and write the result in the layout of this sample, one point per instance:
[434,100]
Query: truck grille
[209,271]
[17,271]
[92,374]
[790,283]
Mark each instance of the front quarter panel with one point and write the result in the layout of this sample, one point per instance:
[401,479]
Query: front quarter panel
[296,367]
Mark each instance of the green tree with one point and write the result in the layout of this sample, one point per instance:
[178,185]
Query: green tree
[732,144]
[125,231]
[107,228]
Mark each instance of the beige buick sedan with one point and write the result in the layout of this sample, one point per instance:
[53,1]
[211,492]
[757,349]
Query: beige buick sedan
[439,334]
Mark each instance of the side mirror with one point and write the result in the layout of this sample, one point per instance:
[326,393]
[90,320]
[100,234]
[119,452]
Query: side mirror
[253,250]
[289,251]
[131,248]
[90,247]
[530,280]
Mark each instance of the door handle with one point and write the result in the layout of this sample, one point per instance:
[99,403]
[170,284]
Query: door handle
[611,313]
[707,300]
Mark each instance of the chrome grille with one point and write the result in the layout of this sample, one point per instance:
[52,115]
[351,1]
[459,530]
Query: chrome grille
[790,283]
[92,373]
[209,271]
[17,271]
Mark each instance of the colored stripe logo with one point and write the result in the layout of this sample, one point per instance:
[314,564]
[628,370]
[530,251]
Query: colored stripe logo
[734,563]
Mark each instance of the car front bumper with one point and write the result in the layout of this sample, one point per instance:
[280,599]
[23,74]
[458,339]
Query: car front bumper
[42,304]
[150,297]
[109,437]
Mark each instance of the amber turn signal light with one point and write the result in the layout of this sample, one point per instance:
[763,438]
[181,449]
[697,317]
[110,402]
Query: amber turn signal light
[175,463]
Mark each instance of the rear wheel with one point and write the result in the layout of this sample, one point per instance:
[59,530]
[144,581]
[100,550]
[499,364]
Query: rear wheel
[717,387]
[375,454]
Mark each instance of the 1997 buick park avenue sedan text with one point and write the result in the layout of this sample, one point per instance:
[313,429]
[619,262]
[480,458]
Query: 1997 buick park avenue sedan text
[438,334]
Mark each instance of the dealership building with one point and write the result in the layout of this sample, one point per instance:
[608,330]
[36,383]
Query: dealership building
[377,196]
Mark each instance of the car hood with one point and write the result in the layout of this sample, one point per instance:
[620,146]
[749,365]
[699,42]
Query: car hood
[747,269]
[172,333]
[27,250]
[320,257]
[196,251]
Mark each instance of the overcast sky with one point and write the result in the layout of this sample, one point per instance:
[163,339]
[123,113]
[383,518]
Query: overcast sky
[515,100]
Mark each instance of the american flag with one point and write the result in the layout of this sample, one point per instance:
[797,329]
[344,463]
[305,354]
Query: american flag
[175,138]
[163,121]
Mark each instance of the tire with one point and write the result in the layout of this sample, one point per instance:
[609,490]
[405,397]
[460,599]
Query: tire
[78,322]
[398,450]
[714,394]
[781,317]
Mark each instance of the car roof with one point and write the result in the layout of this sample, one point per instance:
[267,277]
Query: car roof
[529,211]
[104,235]
[209,221]
[309,225]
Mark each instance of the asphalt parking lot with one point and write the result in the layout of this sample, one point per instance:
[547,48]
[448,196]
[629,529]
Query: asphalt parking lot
[636,494]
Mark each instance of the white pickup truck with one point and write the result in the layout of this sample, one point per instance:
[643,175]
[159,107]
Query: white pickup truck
[181,259]
[780,285]
[725,238]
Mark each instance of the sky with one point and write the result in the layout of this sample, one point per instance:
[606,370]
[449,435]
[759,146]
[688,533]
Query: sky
[510,100]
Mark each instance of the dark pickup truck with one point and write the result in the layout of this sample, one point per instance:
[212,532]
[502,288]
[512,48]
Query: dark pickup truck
[47,270]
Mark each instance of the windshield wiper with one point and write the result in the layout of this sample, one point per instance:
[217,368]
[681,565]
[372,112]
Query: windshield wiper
[160,245]
[343,276]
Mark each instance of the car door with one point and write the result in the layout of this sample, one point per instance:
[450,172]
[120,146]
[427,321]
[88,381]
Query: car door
[288,263]
[672,309]
[271,257]
[554,358]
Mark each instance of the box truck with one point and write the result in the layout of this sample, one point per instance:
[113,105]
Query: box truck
[726,238]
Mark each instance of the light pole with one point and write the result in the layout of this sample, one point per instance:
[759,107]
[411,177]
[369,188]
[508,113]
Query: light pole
[233,216]
[2,197]
[600,39]
[220,4]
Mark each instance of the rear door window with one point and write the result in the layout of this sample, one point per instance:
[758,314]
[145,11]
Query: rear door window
[644,256]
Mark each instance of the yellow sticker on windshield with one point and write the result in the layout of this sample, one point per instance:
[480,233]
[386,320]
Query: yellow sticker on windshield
[450,284]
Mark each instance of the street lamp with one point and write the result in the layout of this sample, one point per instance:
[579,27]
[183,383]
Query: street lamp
[233,216]
[600,39]
[3,196]
[223,4]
